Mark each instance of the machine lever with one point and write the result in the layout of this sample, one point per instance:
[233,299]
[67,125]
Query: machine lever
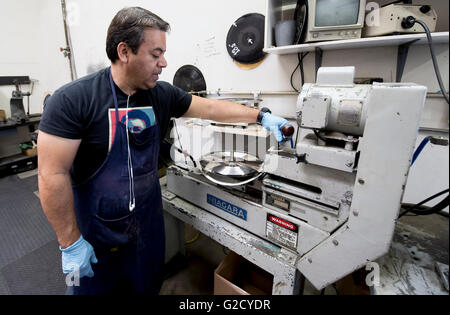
[301,158]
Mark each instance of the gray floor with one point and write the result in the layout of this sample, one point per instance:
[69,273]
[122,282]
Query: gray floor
[203,257]
[30,261]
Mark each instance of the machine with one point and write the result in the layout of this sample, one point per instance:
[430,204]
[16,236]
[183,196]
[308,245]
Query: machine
[325,20]
[17,109]
[334,197]
[393,19]
[18,114]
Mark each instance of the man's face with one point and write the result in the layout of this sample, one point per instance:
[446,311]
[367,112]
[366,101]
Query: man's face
[146,66]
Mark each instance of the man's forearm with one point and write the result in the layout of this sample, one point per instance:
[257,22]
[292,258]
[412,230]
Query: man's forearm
[221,111]
[56,196]
[224,111]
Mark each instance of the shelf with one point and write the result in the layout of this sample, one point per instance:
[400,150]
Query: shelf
[16,164]
[14,159]
[382,41]
[11,125]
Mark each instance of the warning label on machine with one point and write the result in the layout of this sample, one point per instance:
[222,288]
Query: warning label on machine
[282,231]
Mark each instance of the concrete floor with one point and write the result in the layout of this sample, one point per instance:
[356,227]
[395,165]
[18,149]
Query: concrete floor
[194,276]
[26,237]
[203,256]
[426,236]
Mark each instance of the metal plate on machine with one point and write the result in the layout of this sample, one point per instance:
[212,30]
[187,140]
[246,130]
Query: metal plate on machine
[227,207]
[278,201]
[282,231]
[350,112]
[315,112]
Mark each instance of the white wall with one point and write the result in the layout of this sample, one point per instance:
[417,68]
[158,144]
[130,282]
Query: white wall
[32,33]
[199,29]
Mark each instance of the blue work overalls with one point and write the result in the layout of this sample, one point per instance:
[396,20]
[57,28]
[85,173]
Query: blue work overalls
[129,245]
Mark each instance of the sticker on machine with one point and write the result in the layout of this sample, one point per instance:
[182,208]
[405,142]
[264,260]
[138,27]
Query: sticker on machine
[282,231]
[227,207]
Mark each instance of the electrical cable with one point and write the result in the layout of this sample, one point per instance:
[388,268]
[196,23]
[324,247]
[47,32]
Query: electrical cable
[178,135]
[419,150]
[424,210]
[296,138]
[416,209]
[299,66]
[225,250]
[181,145]
[185,154]
[195,238]
[433,56]
[439,207]
[319,136]
[433,210]
[302,72]
[335,288]
[292,76]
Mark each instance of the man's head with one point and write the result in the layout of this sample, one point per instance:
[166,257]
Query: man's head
[137,40]
[128,27]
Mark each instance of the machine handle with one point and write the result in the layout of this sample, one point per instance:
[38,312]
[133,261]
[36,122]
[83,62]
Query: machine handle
[287,131]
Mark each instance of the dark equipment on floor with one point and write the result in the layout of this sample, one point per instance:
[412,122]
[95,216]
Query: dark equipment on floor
[18,114]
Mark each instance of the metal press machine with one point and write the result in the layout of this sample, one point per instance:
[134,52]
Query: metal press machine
[334,198]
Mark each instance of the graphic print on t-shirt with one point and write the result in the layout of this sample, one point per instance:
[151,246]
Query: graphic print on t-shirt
[139,119]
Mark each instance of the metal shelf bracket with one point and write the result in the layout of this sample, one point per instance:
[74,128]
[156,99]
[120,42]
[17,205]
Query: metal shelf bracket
[319,58]
[403,51]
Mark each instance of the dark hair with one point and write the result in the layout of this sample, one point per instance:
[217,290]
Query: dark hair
[128,26]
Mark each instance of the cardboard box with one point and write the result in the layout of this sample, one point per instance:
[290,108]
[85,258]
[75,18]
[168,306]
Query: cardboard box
[30,152]
[237,276]
[2,115]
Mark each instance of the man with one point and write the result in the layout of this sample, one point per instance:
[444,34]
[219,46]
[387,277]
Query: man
[98,182]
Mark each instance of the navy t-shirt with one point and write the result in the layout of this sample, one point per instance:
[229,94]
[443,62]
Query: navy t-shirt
[84,109]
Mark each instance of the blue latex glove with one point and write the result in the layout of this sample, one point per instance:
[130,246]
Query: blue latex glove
[274,124]
[79,255]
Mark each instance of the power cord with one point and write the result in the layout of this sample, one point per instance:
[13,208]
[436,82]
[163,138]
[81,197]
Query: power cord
[301,57]
[316,132]
[408,23]
[420,148]
[418,208]
[193,240]
[181,150]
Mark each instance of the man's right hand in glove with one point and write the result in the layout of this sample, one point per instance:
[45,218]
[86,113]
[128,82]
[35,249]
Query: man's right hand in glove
[79,255]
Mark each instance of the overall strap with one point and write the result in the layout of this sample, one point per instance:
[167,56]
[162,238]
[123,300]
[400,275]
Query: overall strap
[113,88]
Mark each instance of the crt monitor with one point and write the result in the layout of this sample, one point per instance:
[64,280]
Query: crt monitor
[334,19]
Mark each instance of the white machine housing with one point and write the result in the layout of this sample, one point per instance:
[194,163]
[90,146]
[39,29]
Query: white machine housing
[384,120]
[388,20]
[333,202]
[316,32]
